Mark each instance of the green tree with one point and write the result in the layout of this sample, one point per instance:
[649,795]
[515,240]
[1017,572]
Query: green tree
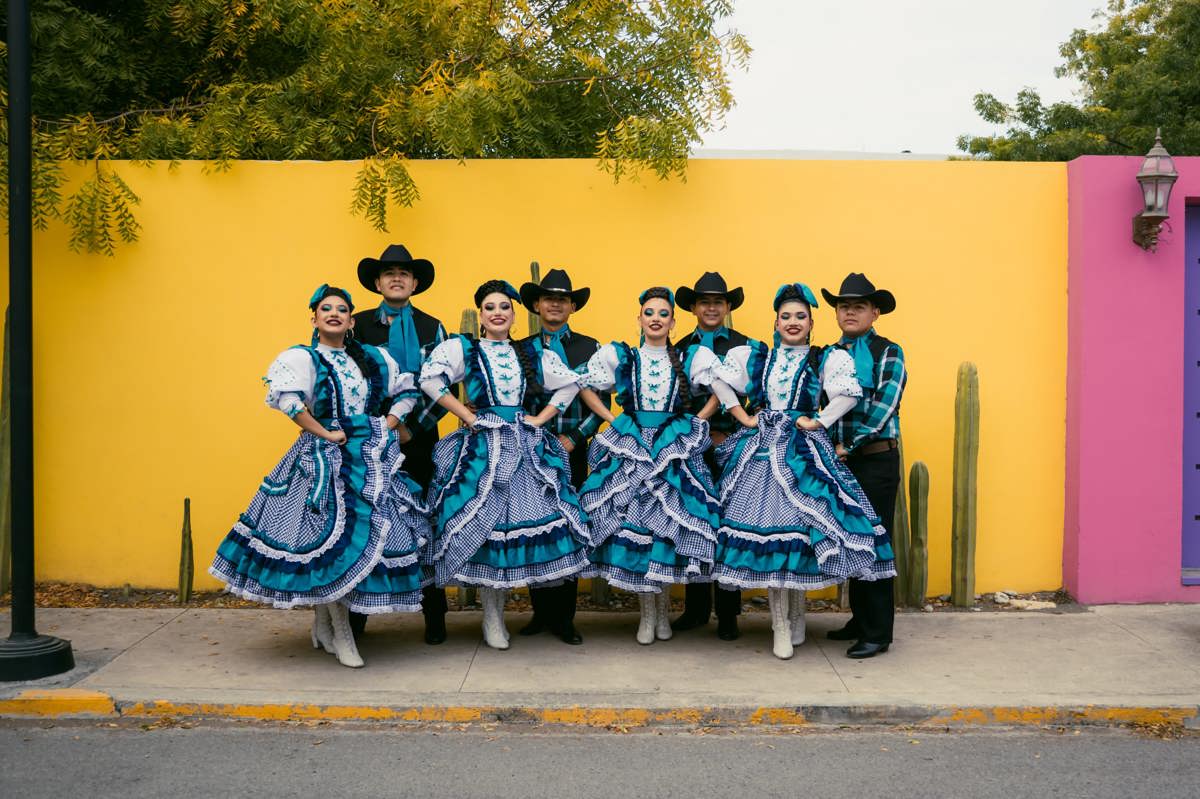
[1138,70]
[632,83]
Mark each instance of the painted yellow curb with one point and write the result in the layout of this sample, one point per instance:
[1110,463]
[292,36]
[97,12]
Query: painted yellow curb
[52,702]
[65,702]
[1042,716]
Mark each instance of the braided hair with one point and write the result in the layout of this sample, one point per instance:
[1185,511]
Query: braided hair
[525,356]
[681,380]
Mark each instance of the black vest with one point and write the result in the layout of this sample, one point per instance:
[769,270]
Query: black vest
[369,330]
[721,420]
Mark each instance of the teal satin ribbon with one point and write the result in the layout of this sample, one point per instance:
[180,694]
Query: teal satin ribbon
[708,337]
[553,340]
[651,418]
[864,361]
[402,344]
[506,412]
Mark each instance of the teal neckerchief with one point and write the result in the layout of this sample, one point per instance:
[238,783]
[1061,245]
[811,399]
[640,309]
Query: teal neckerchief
[402,344]
[864,361]
[554,341]
[708,338]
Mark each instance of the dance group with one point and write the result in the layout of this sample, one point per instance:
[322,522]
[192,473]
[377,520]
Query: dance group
[731,464]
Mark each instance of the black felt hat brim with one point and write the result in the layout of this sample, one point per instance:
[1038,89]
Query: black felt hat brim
[532,292]
[880,298]
[369,269]
[686,297]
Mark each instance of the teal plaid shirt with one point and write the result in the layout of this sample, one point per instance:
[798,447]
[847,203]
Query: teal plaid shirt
[877,415]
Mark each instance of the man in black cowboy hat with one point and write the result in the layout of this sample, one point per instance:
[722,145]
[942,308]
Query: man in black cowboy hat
[868,439]
[408,334]
[554,301]
[712,301]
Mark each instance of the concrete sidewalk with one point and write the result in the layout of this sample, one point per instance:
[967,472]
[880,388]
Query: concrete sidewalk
[1108,664]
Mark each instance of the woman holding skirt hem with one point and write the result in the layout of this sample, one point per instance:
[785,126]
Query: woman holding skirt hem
[506,513]
[793,518]
[336,524]
[649,497]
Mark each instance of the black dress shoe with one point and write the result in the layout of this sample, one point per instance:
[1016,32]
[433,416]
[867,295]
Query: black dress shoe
[846,633]
[435,630]
[569,635]
[727,628]
[866,649]
[358,623]
[534,627]
[688,622]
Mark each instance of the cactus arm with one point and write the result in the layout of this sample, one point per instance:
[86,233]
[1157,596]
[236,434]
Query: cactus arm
[966,462]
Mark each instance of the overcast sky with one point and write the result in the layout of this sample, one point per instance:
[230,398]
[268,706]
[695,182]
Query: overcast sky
[889,75]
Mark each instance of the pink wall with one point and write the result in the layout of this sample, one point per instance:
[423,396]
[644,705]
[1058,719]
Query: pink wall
[1125,315]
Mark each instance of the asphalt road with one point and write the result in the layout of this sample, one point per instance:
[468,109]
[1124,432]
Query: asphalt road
[222,759]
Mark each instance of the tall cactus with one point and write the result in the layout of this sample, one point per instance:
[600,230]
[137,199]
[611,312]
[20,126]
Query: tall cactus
[5,469]
[468,326]
[535,321]
[966,461]
[918,551]
[900,538]
[187,566]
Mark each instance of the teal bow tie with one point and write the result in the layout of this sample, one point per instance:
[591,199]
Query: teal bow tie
[864,361]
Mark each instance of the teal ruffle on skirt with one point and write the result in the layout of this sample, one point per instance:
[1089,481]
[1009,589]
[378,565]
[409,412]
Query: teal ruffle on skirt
[792,514]
[507,514]
[331,523]
[651,503]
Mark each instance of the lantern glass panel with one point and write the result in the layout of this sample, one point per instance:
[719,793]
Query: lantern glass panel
[1148,194]
[1164,194]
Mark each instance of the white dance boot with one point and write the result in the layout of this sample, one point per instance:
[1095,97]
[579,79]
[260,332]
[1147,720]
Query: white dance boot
[322,629]
[781,629]
[796,604]
[662,620]
[343,637]
[648,605]
[494,633]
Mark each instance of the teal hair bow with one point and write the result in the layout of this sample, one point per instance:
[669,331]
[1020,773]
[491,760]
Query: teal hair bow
[324,290]
[670,298]
[788,291]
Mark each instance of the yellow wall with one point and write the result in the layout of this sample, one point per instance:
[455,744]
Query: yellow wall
[148,364]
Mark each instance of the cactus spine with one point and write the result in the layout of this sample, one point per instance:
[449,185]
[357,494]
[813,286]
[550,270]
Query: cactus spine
[966,458]
[186,565]
[901,539]
[535,321]
[918,550]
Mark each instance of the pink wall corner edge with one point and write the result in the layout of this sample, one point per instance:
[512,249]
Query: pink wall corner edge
[1122,521]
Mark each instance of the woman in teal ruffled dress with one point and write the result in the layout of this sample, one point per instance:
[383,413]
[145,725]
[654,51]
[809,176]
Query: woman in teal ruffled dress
[507,514]
[336,525]
[650,498]
[793,518]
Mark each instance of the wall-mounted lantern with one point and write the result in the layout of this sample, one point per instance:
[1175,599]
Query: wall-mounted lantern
[1156,178]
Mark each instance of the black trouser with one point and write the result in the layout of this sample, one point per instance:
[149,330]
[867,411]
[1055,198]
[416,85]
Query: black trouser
[698,597]
[418,462]
[872,606]
[556,605]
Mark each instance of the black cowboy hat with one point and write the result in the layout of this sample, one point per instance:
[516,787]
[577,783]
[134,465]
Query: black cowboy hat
[857,287]
[709,283]
[395,255]
[558,282]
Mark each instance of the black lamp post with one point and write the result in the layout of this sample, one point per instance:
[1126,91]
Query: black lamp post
[24,655]
[1156,178]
